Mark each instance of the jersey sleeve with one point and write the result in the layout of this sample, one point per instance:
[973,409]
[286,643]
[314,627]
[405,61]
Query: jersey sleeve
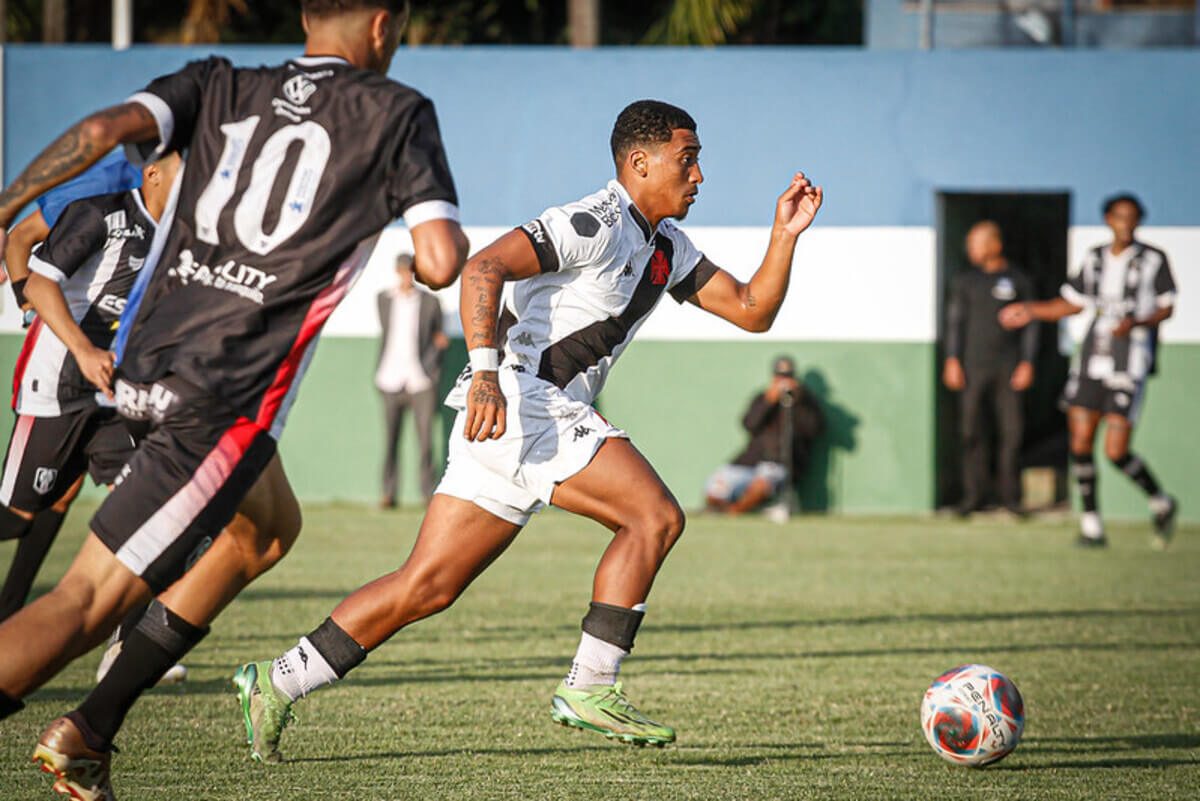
[111,174]
[1164,284]
[421,188]
[174,100]
[78,235]
[1074,291]
[567,238]
[686,280]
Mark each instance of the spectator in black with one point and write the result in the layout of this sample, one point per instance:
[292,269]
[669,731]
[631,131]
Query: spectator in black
[782,421]
[989,365]
[410,364]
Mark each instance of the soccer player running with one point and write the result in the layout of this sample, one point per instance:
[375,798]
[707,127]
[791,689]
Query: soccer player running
[1128,289]
[586,275]
[96,236]
[292,172]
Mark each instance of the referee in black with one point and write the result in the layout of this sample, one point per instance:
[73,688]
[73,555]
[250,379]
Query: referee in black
[989,365]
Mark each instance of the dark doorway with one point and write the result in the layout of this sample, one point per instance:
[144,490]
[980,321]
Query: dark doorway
[1035,240]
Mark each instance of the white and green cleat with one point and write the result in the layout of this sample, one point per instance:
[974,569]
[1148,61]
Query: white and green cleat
[604,708]
[265,710]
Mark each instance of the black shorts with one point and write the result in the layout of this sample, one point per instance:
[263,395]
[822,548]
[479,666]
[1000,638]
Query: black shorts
[1094,394]
[190,472]
[46,455]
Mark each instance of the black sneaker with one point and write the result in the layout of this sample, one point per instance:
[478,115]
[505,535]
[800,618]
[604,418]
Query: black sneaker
[1164,524]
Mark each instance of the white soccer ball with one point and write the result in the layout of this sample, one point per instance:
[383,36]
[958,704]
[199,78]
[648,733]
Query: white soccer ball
[973,715]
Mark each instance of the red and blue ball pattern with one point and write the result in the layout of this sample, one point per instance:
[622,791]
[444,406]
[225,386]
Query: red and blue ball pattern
[972,715]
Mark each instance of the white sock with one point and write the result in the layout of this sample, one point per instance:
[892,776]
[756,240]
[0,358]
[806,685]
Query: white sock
[1160,503]
[301,670]
[1091,526]
[596,662]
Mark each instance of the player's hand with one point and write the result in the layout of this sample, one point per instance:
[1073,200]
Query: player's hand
[487,415]
[1022,377]
[798,205]
[97,367]
[1123,328]
[953,376]
[1015,315]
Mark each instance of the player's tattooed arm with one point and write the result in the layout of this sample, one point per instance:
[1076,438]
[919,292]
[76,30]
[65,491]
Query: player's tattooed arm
[753,305]
[81,146]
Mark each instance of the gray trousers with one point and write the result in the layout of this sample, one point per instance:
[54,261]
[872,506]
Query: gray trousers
[424,405]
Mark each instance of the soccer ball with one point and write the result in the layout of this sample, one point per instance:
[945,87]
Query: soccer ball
[972,715]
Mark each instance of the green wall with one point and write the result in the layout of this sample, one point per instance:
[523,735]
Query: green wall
[682,402]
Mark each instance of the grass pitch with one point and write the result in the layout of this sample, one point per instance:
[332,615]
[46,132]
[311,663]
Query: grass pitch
[792,660]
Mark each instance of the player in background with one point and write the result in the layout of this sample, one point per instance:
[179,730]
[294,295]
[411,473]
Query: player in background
[585,275]
[293,171]
[36,530]
[1127,288]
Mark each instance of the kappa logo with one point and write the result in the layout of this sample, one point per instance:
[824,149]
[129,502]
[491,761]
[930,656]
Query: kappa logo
[581,432]
[43,479]
[628,271]
[660,268]
[524,339]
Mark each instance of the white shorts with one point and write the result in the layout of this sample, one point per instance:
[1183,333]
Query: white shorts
[550,437]
[730,481]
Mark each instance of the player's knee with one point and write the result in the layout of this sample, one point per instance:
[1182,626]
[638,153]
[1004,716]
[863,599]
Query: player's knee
[433,591]
[664,523]
[1117,453]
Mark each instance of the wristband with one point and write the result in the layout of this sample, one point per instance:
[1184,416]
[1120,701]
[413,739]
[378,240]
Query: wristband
[484,359]
[18,288]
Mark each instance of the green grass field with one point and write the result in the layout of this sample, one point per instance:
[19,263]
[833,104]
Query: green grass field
[792,660]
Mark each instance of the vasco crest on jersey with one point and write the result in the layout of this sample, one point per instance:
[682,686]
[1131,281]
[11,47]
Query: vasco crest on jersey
[296,92]
[1004,289]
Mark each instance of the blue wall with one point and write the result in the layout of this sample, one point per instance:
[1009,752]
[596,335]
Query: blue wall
[526,128]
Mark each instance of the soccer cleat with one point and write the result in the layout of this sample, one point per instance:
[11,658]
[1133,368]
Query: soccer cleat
[1084,541]
[1164,520]
[80,771]
[265,710]
[604,708]
[175,675]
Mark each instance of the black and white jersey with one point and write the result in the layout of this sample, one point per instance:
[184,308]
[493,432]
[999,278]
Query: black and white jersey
[1137,282]
[603,270]
[292,171]
[94,252]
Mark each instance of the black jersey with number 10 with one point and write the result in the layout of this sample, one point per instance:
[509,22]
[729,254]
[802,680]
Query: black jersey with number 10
[292,172]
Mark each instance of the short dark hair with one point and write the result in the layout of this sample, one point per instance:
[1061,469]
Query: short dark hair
[647,122]
[1125,197]
[324,8]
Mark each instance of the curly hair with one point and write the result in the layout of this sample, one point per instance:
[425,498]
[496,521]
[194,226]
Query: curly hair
[647,122]
[1125,197]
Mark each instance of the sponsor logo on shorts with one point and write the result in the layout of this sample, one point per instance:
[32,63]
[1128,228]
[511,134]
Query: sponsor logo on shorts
[581,432]
[43,479]
[199,551]
[143,403]
[125,473]
[237,279]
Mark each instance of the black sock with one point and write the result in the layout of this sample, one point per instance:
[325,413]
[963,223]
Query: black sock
[613,624]
[158,642]
[1132,466]
[9,705]
[339,650]
[12,525]
[1085,476]
[130,622]
[31,552]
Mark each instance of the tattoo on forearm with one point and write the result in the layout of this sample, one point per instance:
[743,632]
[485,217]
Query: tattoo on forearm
[69,155]
[484,283]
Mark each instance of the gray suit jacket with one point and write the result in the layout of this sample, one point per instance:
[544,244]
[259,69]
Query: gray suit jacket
[430,323]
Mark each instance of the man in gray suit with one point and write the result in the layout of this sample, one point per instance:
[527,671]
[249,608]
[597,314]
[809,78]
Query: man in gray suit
[410,364]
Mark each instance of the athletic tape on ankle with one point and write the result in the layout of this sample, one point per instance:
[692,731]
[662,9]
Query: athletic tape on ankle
[168,630]
[613,624]
[337,647]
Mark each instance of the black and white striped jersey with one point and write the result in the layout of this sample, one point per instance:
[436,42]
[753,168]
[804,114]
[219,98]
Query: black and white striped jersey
[292,172]
[603,270]
[1108,287]
[94,252]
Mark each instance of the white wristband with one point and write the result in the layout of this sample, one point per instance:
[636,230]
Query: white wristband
[484,359]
